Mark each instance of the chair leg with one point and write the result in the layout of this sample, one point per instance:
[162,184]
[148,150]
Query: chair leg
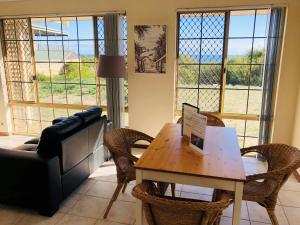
[124,187]
[113,198]
[173,190]
[272,216]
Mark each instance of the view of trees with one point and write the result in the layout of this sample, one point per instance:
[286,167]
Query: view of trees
[238,71]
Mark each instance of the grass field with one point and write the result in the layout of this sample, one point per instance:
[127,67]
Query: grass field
[237,100]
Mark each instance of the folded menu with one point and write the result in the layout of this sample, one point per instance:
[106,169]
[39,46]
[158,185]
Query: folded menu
[198,128]
[188,111]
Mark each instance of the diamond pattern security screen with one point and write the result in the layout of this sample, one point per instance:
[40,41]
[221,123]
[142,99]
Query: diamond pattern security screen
[220,61]
[200,59]
[50,67]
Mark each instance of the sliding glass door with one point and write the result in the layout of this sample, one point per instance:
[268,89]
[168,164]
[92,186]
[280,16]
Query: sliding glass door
[221,61]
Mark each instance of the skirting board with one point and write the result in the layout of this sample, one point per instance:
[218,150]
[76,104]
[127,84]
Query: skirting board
[4,133]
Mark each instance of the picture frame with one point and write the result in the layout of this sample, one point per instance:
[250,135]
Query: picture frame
[150,48]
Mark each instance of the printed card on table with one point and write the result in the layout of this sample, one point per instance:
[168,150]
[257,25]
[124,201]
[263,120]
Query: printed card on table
[188,111]
[198,129]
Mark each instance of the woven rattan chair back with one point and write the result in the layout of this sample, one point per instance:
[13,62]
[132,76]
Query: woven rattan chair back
[162,210]
[211,120]
[282,161]
[119,143]
[263,188]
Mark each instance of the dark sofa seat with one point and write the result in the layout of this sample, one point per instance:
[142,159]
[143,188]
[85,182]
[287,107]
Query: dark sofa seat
[43,172]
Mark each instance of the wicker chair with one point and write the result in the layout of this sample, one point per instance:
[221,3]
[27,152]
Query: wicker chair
[120,142]
[162,210]
[263,188]
[211,120]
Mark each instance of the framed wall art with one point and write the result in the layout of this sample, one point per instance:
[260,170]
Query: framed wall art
[150,48]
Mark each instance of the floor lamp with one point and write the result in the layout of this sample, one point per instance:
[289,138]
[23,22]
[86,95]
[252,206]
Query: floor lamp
[113,68]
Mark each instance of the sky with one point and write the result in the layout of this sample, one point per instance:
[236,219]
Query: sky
[240,34]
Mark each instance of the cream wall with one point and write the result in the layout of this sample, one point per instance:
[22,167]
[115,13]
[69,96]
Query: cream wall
[151,97]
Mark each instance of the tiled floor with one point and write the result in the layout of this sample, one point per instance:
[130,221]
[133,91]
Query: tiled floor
[13,141]
[87,204]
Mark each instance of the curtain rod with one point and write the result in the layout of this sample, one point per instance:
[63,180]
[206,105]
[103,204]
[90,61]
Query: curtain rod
[101,13]
[242,7]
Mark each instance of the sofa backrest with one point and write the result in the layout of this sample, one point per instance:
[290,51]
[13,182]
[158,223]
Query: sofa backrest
[74,138]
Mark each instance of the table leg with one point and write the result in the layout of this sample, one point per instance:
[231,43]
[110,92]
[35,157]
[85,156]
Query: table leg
[139,206]
[238,197]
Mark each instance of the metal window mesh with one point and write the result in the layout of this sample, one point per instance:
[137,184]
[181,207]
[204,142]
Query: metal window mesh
[19,70]
[17,60]
[200,56]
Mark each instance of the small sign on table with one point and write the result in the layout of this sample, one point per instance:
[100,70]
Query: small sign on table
[198,129]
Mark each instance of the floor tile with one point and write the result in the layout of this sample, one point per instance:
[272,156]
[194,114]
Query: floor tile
[102,189]
[85,186]
[244,211]
[259,223]
[68,203]
[169,193]
[9,216]
[127,196]
[105,173]
[293,215]
[122,212]
[289,198]
[291,184]
[195,196]
[259,214]
[90,206]
[36,219]
[76,220]
[197,189]
[106,222]
[228,221]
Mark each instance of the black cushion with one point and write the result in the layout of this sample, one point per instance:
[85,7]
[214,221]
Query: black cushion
[90,114]
[65,126]
[59,119]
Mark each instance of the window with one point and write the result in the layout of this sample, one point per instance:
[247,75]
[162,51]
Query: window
[50,66]
[220,63]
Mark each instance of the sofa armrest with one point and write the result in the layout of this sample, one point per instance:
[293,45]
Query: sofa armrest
[30,179]
[33,141]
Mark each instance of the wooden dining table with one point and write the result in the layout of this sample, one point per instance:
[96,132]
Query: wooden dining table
[169,158]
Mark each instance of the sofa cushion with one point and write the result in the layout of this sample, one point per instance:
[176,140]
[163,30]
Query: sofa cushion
[90,114]
[65,126]
[59,119]
[26,147]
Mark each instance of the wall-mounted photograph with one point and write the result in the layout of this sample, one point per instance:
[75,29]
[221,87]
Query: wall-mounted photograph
[150,48]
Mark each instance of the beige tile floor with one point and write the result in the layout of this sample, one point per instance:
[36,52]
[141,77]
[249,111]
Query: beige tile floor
[87,204]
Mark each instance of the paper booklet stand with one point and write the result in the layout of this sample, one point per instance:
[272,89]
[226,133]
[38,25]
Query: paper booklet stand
[193,126]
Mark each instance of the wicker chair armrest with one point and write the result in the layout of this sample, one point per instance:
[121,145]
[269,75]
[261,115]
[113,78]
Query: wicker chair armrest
[116,150]
[138,136]
[260,176]
[249,149]
[140,146]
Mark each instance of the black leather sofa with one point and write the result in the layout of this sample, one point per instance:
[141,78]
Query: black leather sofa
[43,172]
